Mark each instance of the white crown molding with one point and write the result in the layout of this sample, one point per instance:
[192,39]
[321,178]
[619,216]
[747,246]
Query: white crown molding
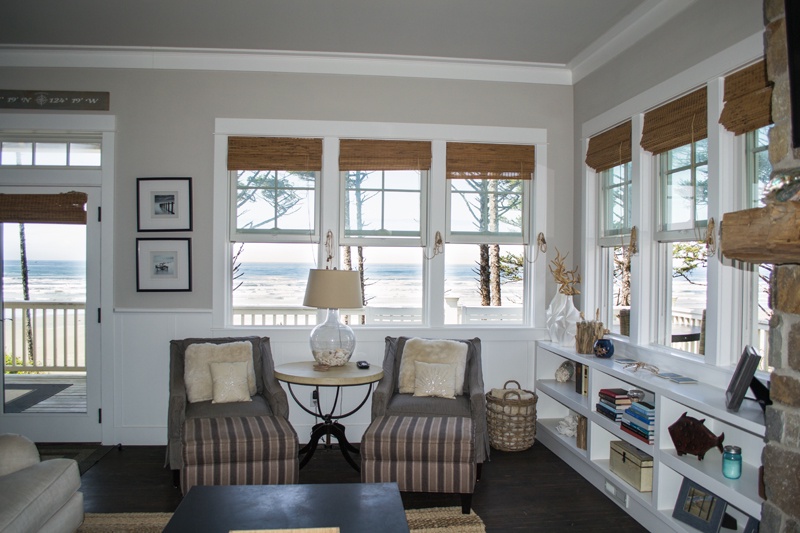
[636,25]
[279,61]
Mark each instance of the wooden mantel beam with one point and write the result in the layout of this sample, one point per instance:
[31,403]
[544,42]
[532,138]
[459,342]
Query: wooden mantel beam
[768,234]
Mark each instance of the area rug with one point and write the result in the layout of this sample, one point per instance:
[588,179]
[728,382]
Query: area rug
[87,455]
[26,395]
[434,520]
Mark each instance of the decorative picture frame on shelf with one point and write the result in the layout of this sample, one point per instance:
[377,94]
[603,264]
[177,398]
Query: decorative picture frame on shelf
[742,377]
[163,265]
[164,204]
[699,507]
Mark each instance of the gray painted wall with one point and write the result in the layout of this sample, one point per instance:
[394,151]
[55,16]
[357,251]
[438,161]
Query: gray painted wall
[165,123]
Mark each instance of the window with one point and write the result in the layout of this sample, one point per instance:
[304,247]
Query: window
[383,193]
[488,195]
[609,153]
[367,205]
[759,170]
[50,152]
[683,214]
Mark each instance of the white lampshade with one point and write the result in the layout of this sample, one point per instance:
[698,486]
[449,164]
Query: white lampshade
[333,289]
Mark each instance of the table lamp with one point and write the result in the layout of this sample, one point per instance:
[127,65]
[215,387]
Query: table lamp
[333,342]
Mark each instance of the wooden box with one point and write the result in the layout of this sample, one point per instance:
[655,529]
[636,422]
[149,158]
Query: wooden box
[631,464]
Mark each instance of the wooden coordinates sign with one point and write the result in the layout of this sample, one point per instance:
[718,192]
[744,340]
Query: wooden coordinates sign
[74,100]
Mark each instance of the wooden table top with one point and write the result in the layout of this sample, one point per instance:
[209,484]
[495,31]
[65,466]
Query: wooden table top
[304,373]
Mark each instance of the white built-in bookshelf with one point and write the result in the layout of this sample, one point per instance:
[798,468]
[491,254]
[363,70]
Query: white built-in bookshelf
[652,509]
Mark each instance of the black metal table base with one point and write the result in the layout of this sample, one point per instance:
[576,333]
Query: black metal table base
[325,430]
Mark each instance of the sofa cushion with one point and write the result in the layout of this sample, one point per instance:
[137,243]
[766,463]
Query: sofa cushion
[200,356]
[33,495]
[18,452]
[431,351]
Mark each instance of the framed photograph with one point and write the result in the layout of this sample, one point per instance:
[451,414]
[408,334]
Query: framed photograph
[742,377]
[164,204]
[163,265]
[698,507]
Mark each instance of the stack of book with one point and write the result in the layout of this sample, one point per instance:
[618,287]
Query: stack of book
[613,403]
[639,420]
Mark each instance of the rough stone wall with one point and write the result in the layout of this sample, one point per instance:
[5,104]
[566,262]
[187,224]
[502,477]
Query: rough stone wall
[781,457]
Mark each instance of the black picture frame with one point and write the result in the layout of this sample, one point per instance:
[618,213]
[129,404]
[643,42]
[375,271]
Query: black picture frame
[163,204]
[699,507]
[163,265]
[742,377]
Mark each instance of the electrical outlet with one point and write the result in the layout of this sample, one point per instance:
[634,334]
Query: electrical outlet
[314,399]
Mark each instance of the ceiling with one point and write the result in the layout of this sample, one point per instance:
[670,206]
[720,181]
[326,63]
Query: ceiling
[552,32]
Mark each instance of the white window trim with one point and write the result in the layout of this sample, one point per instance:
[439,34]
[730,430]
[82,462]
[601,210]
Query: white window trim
[331,132]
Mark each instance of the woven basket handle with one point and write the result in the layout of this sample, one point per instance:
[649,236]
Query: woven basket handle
[512,381]
[511,393]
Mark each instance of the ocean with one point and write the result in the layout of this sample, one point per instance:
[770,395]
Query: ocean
[264,284]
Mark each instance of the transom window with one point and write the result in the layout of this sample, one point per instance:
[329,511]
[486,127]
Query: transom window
[51,152]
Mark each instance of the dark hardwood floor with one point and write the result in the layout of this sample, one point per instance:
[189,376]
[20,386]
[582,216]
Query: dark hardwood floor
[532,490]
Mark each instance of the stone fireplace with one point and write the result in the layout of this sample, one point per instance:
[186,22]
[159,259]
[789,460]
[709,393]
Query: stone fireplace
[781,456]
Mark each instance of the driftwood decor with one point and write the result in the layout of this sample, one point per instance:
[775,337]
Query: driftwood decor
[768,234]
[587,333]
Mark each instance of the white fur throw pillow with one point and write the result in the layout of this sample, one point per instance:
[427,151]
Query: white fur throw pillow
[435,379]
[431,351]
[230,382]
[197,369]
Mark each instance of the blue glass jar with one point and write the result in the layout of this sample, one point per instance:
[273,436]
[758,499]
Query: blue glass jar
[603,348]
[732,462]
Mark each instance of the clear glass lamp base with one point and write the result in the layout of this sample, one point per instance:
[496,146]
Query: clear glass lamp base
[332,342]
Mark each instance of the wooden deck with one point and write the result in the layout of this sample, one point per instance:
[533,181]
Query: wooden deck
[72,399]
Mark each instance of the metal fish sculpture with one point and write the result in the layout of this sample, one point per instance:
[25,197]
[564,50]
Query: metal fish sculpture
[690,436]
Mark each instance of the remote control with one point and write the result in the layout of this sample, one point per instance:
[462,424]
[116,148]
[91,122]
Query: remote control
[362,365]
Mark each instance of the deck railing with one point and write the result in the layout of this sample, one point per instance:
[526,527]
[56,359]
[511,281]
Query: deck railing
[56,341]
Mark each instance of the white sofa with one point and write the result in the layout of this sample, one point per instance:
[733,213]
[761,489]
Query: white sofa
[37,495]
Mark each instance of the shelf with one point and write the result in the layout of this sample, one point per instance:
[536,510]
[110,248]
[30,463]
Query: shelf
[745,428]
[742,493]
[565,393]
[550,425]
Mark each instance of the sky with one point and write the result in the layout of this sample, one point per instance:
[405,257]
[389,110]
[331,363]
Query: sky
[46,241]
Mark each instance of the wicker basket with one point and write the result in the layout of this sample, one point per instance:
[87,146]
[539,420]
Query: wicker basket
[511,421]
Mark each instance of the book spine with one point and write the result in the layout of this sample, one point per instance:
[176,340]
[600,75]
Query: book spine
[579,378]
[639,416]
[633,433]
[637,424]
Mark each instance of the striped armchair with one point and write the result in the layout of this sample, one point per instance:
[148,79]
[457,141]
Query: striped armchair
[423,443]
[232,442]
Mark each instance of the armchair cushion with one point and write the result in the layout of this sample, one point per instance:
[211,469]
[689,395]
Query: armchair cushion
[200,357]
[430,351]
[230,382]
[435,379]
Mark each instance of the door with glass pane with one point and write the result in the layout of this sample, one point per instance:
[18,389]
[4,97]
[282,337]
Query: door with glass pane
[50,305]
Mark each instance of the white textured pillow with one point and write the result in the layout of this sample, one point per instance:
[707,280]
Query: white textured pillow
[435,379]
[197,371]
[431,351]
[229,382]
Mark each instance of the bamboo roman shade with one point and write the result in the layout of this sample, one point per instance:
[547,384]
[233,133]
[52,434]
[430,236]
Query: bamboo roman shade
[677,123]
[610,148]
[64,208]
[748,99]
[274,153]
[490,161]
[371,154]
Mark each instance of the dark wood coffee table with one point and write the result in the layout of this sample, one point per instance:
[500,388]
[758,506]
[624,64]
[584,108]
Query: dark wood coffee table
[352,507]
